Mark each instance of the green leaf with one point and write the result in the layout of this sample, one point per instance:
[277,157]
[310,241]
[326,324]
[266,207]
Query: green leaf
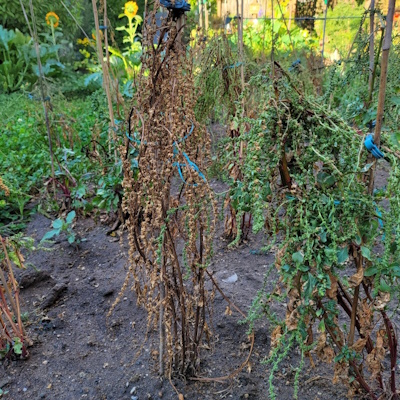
[395,271]
[325,180]
[371,271]
[395,100]
[298,257]
[17,347]
[304,268]
[367,167]
[329,252]
[71,239]
[310,285]
[286,268]
[48,235]
[366,253]
[70,217]
[383,286]
[57,224]
[322,236]
[343,255]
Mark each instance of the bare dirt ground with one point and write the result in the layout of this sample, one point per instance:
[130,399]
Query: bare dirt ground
[79,353]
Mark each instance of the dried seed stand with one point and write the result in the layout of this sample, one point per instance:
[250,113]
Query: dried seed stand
[170,205]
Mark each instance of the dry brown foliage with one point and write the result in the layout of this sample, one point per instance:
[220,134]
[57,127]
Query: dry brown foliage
[170,204]
[13,339]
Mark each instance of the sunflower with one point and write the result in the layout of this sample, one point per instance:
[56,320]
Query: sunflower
[131,8]
[52,19]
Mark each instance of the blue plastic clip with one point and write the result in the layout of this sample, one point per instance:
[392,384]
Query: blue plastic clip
[372,147]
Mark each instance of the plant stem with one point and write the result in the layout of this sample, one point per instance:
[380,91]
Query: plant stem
[54,40]
[353,316]
[161,318]
[393,354]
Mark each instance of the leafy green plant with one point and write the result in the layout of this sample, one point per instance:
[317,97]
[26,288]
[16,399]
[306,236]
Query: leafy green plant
[125,64]
[60,225]
[11,16]
[15,49]
[329,228]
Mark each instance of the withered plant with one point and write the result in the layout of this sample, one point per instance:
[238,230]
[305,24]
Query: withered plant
[13,339]
[169,203]
[306,173]
[220,90]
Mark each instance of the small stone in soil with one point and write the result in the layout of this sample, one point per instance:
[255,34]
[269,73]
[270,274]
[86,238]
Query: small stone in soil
[133,390]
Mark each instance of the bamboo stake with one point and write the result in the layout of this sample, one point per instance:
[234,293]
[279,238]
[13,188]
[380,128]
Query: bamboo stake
[241,20]
[106,24]
[287,27]
[34,35]
[371,44]
[376,61]
[206,15]
[387,41]
[201,16]
[324,32]
[106,76]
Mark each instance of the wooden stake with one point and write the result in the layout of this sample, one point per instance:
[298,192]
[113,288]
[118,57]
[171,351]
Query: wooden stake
[41,85]
[106,78]
[241,20]
[371,44]
[323,35]
[206,15]
[201,6]
[387,41]
[375,65]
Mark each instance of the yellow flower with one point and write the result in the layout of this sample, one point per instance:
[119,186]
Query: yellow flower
[84,42]
[85,53]
[94,35]
[131,9]
[52,18]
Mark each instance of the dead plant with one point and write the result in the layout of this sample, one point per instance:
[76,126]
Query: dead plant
[169,203]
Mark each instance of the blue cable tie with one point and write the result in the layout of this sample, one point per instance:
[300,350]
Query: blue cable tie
[131,138]
[238,64]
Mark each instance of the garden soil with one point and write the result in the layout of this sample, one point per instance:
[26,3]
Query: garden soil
[80,353]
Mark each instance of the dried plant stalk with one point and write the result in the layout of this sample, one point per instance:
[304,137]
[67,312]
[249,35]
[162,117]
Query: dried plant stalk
[170,204]
[13,339]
